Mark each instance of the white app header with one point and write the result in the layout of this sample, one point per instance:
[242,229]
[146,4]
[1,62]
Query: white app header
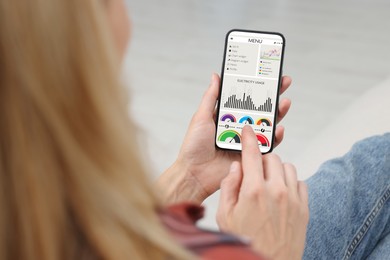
[255,38]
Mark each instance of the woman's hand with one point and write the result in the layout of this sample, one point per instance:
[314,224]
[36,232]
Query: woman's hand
[200,167]
[261,199]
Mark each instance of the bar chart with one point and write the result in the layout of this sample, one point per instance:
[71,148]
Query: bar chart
[246,103]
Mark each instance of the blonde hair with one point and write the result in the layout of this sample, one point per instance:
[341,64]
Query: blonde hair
[71,183]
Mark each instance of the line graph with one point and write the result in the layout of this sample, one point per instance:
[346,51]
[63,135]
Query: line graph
[271,52]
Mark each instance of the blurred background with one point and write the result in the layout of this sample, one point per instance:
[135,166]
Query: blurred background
[337,53]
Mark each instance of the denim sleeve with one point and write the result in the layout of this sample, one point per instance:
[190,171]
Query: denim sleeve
[349,204]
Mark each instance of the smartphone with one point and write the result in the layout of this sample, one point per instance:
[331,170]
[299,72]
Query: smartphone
[249,91]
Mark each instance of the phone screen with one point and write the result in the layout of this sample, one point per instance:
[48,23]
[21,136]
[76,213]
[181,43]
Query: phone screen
[250,80]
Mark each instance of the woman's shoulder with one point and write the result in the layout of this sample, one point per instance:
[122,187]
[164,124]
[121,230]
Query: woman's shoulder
[180,220]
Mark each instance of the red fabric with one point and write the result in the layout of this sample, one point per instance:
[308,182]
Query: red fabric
[229,252]
[180,220]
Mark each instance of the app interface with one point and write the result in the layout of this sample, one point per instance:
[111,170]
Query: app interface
[250,87]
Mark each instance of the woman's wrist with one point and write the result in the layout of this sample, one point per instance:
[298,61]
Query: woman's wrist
[178,184]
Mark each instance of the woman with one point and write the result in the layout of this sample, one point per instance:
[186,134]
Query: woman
[73,187]
[65,152]
[71,180]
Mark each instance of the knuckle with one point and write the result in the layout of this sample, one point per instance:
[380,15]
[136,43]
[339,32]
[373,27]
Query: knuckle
[253,192]
[281,195]
[295,205]
[290,167]
[273,157]
[290,172]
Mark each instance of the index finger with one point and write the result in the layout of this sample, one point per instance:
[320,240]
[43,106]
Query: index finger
[286,83]
[209,100]
[252,163]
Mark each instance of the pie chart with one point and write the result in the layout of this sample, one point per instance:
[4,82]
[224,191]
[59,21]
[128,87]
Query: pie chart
[263,141]
[264,122]
[230,136]
[247,120]
[228,118]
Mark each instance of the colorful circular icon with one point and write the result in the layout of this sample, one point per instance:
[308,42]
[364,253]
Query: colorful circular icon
[264,122]
[228,118]
[263,141]
[230,136]
[247,120]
